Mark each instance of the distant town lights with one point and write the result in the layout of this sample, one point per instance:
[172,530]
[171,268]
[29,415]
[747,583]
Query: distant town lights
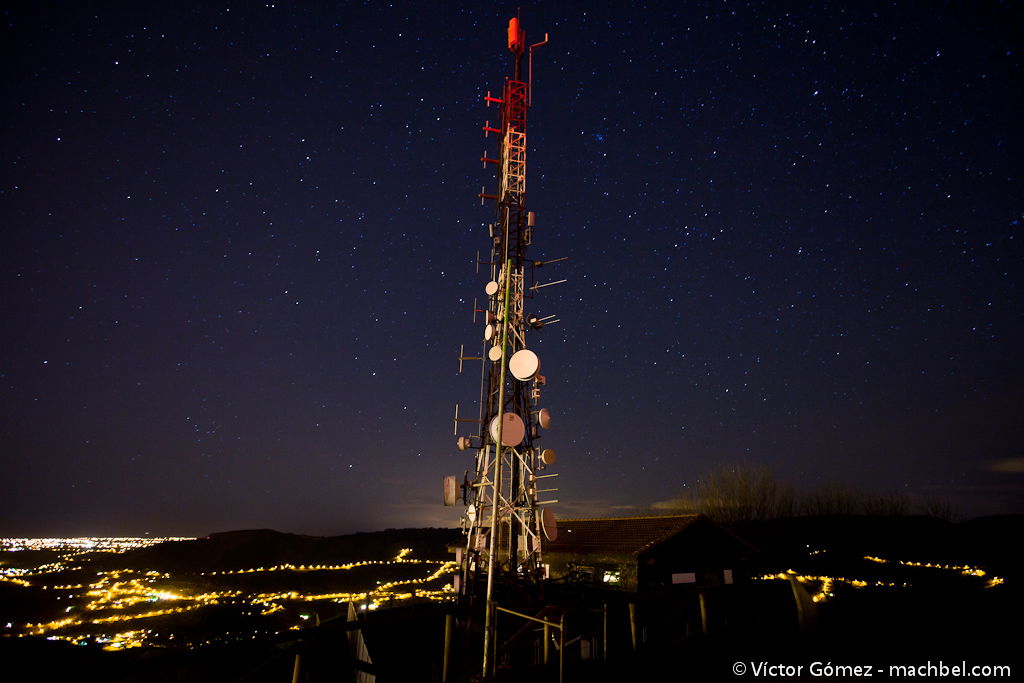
[116,596]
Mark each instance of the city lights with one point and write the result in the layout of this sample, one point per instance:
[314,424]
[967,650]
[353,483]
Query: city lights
[823,585]
[964,569]
[143,596]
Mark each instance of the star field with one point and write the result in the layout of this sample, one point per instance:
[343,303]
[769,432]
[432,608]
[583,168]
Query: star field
[238,254]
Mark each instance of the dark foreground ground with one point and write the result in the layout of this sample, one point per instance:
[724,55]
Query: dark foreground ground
[929,618]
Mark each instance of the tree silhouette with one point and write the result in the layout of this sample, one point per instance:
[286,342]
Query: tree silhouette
[733,492]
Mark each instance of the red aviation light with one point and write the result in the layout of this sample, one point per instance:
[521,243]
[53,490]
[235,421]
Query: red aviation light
[516,37]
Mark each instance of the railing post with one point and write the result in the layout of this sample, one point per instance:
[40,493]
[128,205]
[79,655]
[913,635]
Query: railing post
[561,649]
[604,632]
[632,624]
[449,627]
[703,611]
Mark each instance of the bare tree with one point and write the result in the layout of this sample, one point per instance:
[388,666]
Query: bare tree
[743,492]
[831,499]
[939,507]
[888,504]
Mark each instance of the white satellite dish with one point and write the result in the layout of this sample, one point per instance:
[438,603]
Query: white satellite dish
[489,332]
[462,443]
[491,288]
[450,487]
[548,456]
[512,429]
[548,524]
[494,353]
[524,365]
[544,418]
[471,512]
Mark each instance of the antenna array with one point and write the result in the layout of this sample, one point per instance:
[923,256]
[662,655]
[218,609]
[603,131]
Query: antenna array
[505,518]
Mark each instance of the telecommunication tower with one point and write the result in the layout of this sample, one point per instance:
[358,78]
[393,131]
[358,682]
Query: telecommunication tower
[504,517]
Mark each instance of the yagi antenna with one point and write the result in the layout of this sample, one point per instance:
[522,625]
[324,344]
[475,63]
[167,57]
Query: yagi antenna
[480,262]
[461,419]
[483,195]
[537,323]
[530,64]
[464,357]
[547,284]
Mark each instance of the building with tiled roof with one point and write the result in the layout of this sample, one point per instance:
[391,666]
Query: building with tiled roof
[646,553]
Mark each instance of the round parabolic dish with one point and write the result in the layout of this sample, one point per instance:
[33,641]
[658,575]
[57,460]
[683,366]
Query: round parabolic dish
[494,353]
[524,365]
[491,288]
[512,429]
[548,524]
[462,443]
[544,418]
[450,488]
[489,332]
[548,456]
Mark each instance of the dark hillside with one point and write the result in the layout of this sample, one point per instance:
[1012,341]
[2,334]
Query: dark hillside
[266,548]
[991,542]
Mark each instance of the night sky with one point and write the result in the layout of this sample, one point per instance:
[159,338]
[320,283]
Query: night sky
[238,250]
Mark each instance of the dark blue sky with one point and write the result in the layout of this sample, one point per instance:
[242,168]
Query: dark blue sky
[238,243]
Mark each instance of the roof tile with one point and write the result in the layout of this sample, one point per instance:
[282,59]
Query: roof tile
[616,534]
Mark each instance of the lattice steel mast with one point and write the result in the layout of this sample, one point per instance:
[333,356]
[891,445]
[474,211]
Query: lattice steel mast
[504,517]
